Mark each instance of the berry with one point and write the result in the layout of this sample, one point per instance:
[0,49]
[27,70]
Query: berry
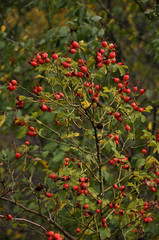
[65,186]
[127,127]
[83,69]
[78,230]
[98,210]
[18,155]
[14,82]
[144,151]
[52,176]
[86,206]
[115,186]
[44,108]
[104,44]
[112,55]
[54,56]
[27,143]
[66,65]
[75,44]
[126,77]
[49,195]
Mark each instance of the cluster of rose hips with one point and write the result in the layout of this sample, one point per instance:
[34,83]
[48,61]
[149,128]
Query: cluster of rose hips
[12,85]
[8,217]
[19,103]
[73,46]
[120,161]
[30,133]
[19,122]
[57,178]
[40,59]
[82,188]
[53,236]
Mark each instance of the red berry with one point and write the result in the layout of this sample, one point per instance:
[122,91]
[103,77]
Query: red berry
[126,99]
[14,82]
[126,77]
[115,186]
[127,127]
[86,206]
[111,205]
[120,85]
[27,143]
[83,69]
[54,56]
[66,65]
[98,210]
[32,128]
[34,64]
[112,55]
[75,187]
[135,88]
[104,44]
[153,189]
[122,188]
[52,176]
[65,186]
[75,44]
[117,80]
[73,51]
[49,195]
[99,201]
[44,108]
[18,155]
[144,151]
[142,91]
[78,230]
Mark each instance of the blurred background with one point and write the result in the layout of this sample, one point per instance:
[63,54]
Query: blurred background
[28,27]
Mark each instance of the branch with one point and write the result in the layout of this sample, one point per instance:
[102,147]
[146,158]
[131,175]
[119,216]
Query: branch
[28,221]
[67,234]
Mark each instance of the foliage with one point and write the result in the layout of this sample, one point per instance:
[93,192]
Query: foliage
[83,167]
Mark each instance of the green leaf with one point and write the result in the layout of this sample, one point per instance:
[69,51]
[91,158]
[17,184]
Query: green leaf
[2,44]
[21,132]
[140,162]
[50,34]
[64,31]
[104,233]
[96,18]
[121,70]
[101,32]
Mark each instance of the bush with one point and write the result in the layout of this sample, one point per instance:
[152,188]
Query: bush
[87,167]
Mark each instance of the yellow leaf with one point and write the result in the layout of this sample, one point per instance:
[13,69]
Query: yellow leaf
[3,28]
[85,104]
[2,119]
[149,126]
[151,160]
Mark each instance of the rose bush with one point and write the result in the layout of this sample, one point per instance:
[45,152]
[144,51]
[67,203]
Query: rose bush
[85,166]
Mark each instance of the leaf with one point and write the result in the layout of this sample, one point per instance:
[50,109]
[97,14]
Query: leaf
[64,31]
[21,132]
[151,159]
[152,144]
[2,119]
[101,32]
[148,109]
[104,233]
[50,34]
[2,44]
[85,104]
[140,162]
[121,70]
[96,18]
